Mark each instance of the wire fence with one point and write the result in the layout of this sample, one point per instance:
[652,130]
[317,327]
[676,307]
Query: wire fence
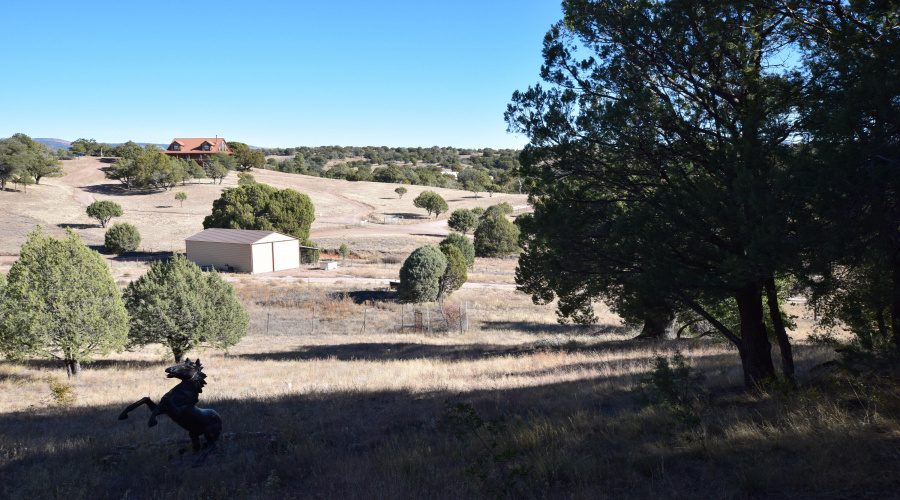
[365,318]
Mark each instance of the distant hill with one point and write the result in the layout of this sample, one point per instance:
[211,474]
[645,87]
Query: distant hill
[53,144]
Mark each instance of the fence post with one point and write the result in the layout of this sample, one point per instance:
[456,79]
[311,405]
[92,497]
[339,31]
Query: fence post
[365,313]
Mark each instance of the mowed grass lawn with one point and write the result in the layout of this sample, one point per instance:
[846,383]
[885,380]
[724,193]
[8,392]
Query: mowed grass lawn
[517,407]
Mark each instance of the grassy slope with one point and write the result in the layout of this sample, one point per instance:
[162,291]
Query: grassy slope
[361,414]
[352,414]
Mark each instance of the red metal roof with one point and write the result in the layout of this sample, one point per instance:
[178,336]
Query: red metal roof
[195,145]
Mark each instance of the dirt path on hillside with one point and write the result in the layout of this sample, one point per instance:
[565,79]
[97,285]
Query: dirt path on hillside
[80,173]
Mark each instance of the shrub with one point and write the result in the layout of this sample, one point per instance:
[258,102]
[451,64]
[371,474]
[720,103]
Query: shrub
[122,237]
[178,305]
[420,274]
[431,202]
[454,274]
[479,211]
[245,178]
[103,211]
[463,244]
[61,302]
[496,236]
[463,220]
[400,191]
[63,394]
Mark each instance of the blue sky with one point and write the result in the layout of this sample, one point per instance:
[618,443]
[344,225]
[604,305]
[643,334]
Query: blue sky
[303,73]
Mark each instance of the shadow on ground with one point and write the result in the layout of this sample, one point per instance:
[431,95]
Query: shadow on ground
[77,226]
[585,438]
[407,215]
[134,256]
[533,327]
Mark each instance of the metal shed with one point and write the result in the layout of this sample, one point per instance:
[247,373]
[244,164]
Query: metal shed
[247,251]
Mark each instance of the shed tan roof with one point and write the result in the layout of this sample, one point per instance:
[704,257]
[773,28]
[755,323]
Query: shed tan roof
[240,236]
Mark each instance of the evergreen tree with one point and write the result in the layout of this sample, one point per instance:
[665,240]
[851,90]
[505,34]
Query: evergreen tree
[178,305]
[496,236]
[663,151]
[464,245]
[61,303]
[121,237]
[431,202]
[420,275]
[103,211]
[454,274]
[263,207]
[463,220]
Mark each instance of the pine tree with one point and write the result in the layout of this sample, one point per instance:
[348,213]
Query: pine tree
[178,305]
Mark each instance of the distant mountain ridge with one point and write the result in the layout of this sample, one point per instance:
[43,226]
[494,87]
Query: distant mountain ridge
[53,144]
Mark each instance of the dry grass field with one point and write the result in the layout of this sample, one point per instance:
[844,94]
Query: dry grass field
[516,407]
[329,396]
[164,223]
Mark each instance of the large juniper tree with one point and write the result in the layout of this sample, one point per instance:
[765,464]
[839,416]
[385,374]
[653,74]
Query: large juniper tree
[61,302]
[178,305]
[660,157]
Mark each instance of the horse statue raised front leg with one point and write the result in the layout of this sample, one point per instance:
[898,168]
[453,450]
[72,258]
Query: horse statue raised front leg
[179,405]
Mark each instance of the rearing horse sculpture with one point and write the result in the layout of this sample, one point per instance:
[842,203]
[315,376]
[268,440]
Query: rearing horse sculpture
[179,403]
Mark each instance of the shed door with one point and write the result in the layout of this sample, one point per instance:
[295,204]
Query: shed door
[262,258]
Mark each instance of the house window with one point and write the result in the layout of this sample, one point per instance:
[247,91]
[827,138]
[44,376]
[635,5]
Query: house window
[176,147]
[205,146]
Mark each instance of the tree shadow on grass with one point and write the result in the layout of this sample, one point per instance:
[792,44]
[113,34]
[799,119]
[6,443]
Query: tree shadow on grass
[134,256]
[118,190]
[400,351]
[376,351]
[556,328]
[77,226]
[573,438]
[100,364]
[408,215]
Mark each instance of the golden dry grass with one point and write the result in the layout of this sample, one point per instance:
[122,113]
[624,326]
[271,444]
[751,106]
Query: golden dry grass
[164,223]
[363,415]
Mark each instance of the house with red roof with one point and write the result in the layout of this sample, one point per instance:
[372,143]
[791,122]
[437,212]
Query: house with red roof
[197,149]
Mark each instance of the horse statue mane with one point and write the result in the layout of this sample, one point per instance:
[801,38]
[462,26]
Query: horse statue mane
[179,405]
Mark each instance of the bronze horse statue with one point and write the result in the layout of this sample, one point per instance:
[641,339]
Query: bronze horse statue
[179,403]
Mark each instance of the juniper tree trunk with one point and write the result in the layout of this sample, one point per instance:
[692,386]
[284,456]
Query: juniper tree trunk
[784,343]
[73,368]
[657,326]
[755,349]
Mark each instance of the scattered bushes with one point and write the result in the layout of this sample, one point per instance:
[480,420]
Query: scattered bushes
[122,237]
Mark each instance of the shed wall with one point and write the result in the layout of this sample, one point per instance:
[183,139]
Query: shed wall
[286,254]
[219,255]
[262,258]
